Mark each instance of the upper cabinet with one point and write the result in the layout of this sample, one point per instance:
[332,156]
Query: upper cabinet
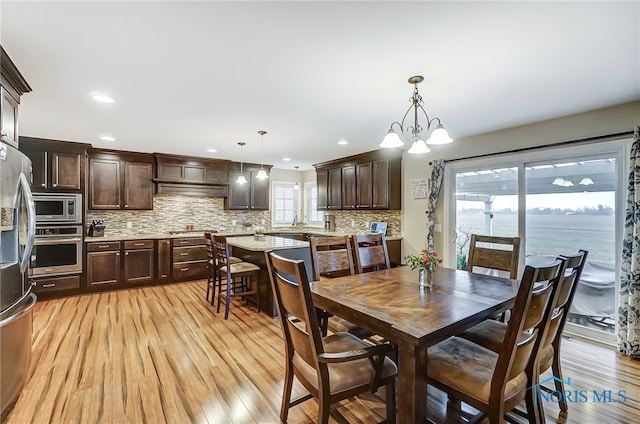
[371,180]
[191,176]
[253,195]
[56,165]
[120,181]
[12,86]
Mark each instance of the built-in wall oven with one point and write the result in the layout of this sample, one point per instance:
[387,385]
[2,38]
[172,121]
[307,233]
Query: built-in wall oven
[58,208]
[57,250]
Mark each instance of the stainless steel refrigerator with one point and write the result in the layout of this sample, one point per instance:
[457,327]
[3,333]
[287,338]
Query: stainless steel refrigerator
[17,230]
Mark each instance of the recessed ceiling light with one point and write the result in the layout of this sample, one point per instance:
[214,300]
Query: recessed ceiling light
[212,150]
[107,138]
[343,142]
[286,159]
[102,98]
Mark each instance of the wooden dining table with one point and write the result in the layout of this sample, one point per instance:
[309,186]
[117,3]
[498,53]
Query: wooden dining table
[391,304]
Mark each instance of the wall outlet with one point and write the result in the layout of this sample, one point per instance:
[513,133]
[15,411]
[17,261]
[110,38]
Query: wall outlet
[353,223]
[129,224]
[262,222]
[234,222]
[437,228]
[366,224]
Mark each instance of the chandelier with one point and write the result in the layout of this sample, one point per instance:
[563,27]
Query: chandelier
[416,134]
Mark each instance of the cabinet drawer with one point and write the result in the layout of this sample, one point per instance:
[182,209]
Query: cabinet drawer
[189,270]
[138,244]
[57,283]
[97,247]
[188,241]
[191,253]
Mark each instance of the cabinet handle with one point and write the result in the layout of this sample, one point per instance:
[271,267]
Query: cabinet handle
[55,185]
[184,269]
[118,254]
[46,286]
[138,244]
[126,206]
[103,246]
[184,254]
[126,253]
[184,242]
[118,205]
[43,185]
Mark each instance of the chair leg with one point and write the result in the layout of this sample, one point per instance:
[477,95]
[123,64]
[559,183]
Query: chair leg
[228,299]
[390,398]
[254,280]
[324,409]
[557,372]
[286,393]
[533,404]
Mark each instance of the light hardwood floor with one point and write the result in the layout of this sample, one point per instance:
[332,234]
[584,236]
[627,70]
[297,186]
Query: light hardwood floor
[162,355]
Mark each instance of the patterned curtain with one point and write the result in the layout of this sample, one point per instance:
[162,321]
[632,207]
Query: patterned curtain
[437,172]
[629,303]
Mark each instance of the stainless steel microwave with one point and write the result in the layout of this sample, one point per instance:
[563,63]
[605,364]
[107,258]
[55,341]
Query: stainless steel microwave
[58,208]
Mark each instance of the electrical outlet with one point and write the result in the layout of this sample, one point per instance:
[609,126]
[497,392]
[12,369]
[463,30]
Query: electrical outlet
[437,228]
[353,223]
[366,224]
[262,222]
[129,224]
[234,222]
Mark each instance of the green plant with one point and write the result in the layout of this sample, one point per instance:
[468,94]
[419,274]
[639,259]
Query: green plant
[427,260]
[258,230]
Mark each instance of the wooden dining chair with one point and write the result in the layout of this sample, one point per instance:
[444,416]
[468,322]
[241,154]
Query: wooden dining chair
[233,279]
[491,333]
[370,252]
[496,382]
[493,253]
[332,257]
[330,368]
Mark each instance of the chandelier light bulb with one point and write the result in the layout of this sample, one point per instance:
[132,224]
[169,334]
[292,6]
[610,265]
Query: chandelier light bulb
[241,179]
[391,140]
[439,136]
[262,173]
[419,147]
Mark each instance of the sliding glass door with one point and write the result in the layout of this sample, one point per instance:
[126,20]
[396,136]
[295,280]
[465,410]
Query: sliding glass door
[558,202]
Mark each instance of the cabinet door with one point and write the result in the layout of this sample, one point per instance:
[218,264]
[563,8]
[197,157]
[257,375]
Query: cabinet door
[380,189]
[104,184]
[216,175]
[239,194]
[103,268]
[164,260]
[39,169]
[349,187]
[138,185]
[138,266]
[259,193]
[9,122]
[335,189]
[363,186]
[322,184]
[65,171]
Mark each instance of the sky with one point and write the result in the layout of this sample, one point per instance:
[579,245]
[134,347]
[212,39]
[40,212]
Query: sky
[561,200]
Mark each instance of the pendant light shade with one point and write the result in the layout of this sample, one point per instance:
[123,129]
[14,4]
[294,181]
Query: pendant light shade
[416,133]
[241,179]
[262,173]
[296,186]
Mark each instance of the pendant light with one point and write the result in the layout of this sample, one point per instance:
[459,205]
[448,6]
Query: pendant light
[296,186]
[241,179]
[262,174]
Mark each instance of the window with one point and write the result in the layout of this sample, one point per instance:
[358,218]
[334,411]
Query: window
[556,201]
[311,212]
[285,203]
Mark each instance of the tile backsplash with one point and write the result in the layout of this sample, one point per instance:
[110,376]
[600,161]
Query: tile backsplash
[174,213]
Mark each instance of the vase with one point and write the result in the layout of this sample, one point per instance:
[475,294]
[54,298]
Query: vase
[425,278]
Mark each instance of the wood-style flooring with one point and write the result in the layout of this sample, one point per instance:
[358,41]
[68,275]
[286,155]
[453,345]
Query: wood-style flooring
[162,355]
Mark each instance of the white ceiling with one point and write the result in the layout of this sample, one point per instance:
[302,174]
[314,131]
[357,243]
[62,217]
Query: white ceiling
[188,76]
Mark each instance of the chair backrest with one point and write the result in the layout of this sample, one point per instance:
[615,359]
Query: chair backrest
[295,307]
[331,256]
[370,252]
[220,250]
[497,253]
[567,289]
[208,239]
[533,304]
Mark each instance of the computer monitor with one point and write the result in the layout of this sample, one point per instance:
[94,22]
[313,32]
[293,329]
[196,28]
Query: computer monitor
[378,228]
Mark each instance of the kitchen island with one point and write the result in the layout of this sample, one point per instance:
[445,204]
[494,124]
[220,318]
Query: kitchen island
[251,250]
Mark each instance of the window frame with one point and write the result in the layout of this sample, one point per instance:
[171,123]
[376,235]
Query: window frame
[296,202]
[306,207]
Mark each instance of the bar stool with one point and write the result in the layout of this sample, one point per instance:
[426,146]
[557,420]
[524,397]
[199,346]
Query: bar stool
[212,280]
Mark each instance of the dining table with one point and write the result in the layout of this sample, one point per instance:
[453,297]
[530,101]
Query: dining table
[391,304]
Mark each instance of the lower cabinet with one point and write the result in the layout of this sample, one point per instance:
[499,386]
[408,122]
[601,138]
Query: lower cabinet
[189,258]
[103,263]
[51,284]
[138,261]
[164,261]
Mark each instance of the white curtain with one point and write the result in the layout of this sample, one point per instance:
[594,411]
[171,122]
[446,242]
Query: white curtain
[629,303]
[435,183]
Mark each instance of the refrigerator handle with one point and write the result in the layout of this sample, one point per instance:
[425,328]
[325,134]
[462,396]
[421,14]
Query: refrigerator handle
[31,222]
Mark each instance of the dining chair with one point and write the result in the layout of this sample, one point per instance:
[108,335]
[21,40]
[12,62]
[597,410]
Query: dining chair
[496,382]
[490,333]
[493,253]
[332,257]
[235,279]
[330,368]
[370,252]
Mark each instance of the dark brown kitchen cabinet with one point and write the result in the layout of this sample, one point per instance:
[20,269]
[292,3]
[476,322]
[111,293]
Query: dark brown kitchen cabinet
[334,195]
[381,183]
[322,185]
[164,261]
[189,255]
[349,187]
[53,284]
[12,87]
[138,261]
[9,121]
[56,165]
[253,195]
[120,182]
[363,186]
[103,263]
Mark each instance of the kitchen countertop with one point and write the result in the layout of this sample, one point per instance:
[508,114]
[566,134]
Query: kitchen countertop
[281,230]
[269,243]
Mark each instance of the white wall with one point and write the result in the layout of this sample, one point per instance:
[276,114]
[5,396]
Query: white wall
[600,122]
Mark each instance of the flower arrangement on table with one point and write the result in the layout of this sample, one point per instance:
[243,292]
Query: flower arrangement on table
[427,260]
[258,233]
